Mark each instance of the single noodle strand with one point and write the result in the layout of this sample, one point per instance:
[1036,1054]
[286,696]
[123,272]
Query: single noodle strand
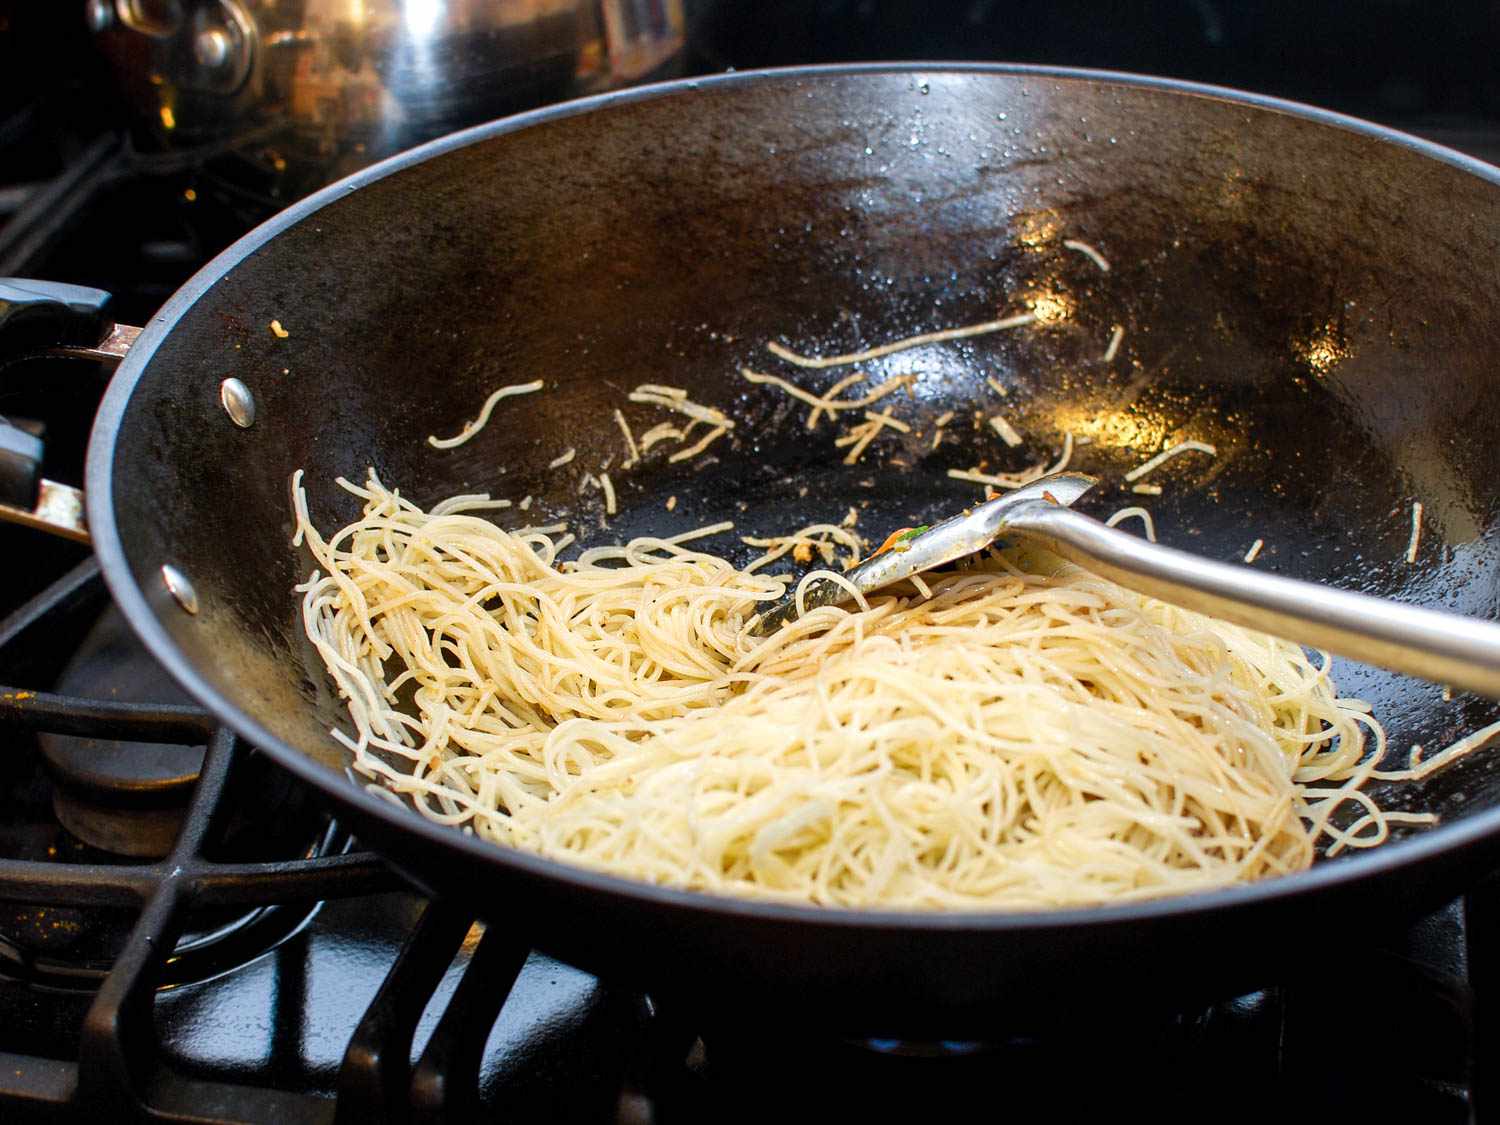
[472,428]
[1416,532]
[1088,252]
[901,345]
[1181,447]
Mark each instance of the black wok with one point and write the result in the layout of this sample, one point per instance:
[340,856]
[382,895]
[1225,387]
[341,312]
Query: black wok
[1315,296]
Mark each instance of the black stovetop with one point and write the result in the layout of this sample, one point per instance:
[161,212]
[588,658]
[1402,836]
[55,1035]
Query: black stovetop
[267,968]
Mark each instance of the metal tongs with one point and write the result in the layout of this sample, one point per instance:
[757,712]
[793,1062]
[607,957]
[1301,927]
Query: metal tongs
[1442,647]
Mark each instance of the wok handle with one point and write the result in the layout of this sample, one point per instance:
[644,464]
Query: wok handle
[48,317]
[41,314]
[1442,647]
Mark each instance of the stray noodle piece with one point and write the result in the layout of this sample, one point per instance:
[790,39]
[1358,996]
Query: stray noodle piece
[1064,457]
[1416,532]
[279,332]
[823,538]
[693,450]
[525,503]
[827,402]
[937,437]
[1350,837]
[1114,344]
[675,398]
[885,419]
[901,345]
[829,395]
[635,453]
[1087,251]
[671,502]
[1008,481]
[1418,769]
[1134,513]
[1447,693]
[997,386]
[472,428]
[589,481]
[1146,489]
[609,493]
[1254,552]
[922,587]
[701,532]
[563,459]
[660,432]
[861,436]
[788,386]
[859,439]
[1181,447]
[943,419]
[1006,431]
[471,502]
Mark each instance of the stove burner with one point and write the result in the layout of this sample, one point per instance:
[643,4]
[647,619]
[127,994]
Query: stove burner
[73,948]
[126,798]
[93,805]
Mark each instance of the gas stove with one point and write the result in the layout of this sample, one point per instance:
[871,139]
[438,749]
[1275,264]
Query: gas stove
[187,935]
[184,933]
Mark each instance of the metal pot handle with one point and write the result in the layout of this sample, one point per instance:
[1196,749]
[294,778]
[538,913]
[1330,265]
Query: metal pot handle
[49,318]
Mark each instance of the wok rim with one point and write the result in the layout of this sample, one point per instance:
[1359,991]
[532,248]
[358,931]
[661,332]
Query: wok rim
[1283,890]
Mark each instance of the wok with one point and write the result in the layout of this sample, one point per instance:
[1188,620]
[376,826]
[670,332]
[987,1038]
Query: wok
[1313,295]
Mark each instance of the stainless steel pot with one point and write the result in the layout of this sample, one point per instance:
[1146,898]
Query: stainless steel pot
[313,90]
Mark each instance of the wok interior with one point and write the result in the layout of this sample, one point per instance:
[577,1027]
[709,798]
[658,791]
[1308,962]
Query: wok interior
[1315,302]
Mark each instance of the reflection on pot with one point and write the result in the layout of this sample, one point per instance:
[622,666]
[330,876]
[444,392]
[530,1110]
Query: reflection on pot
[310,90]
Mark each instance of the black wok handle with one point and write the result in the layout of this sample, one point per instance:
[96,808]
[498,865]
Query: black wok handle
[35,315]
[42,317]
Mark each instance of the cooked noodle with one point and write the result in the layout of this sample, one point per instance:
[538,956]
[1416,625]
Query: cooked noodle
[1134,513]
[1167,454]
[783,352]
[1088,252]
[1416,532]
[1017,740]
[1114,344]
[1024,477]
[471,428]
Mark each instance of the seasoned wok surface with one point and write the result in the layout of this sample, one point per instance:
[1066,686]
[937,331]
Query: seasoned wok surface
[1311,299]
[1306,299]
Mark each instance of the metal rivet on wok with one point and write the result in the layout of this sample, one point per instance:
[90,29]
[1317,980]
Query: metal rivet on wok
[180,588]
[238,402]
